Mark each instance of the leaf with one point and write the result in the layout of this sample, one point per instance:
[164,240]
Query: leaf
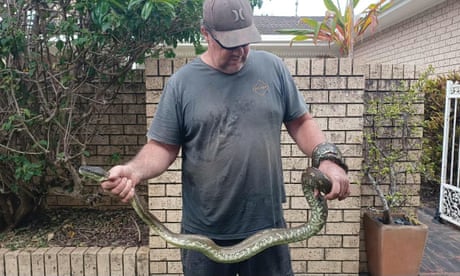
[310,22]
[71,234]
[120,6]
[300,38]
[295,31]
[355,3]
[147,10]
[43,143]
[27,113]
[167,3]
[7,126]
[60,45]
[331,6]
[133,3]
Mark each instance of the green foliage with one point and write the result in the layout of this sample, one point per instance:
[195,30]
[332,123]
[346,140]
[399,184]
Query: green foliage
[340,26]
[115,158]
[256,3]
[392,127]
[396,199]
[433,89]
[435,94]
[392,134]
[61,66]
[25,169]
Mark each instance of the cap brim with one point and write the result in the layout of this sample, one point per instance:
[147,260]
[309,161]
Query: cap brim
[238,37]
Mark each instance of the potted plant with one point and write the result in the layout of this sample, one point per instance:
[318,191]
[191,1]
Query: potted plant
[395,239]
[340,26]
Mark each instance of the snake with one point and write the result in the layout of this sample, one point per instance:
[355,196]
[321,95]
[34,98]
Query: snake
[312,179]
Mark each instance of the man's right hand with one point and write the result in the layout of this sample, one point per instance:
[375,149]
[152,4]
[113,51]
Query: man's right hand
[121,182]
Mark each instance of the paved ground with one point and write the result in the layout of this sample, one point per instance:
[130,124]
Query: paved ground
[442,251]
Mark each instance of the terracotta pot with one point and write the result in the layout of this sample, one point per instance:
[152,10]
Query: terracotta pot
[393,250]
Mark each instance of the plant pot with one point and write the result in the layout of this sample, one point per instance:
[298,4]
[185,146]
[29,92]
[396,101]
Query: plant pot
[395,250]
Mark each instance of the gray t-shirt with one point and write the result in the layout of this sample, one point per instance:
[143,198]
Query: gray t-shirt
[229,129]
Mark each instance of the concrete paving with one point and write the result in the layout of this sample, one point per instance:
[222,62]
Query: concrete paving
[442,251]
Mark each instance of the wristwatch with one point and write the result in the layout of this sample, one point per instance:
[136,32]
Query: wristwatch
[328,151]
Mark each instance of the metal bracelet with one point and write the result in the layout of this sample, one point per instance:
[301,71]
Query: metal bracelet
[328,151]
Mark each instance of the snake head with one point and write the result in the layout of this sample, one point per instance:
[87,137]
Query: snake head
[94,172]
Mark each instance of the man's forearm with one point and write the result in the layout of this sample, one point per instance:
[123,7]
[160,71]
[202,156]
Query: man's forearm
[153,159]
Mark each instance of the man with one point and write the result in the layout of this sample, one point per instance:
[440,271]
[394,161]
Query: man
[225,110]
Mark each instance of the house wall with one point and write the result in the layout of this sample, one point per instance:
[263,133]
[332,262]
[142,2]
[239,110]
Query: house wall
[336,90]
[431,37]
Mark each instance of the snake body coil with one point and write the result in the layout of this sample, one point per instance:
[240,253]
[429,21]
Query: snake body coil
[311,179]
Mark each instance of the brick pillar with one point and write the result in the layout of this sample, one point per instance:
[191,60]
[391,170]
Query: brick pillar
[334,89]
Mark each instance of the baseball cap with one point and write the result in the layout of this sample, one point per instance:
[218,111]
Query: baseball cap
[230,22]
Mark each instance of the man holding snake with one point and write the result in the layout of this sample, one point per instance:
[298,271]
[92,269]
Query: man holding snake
[225,110]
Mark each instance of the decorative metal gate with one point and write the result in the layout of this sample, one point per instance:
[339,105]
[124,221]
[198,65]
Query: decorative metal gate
[449,202]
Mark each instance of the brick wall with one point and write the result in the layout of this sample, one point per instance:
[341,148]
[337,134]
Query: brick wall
[75,261]
[431,37]
[335,90]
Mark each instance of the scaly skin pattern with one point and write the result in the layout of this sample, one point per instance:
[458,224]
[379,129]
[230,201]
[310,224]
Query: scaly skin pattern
[312,179]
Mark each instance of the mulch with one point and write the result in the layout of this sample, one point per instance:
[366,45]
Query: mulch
[78,227]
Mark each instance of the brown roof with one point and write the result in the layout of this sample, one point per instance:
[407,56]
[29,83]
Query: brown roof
[267,25]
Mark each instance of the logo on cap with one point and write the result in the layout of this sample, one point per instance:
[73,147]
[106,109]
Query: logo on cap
[238,15]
